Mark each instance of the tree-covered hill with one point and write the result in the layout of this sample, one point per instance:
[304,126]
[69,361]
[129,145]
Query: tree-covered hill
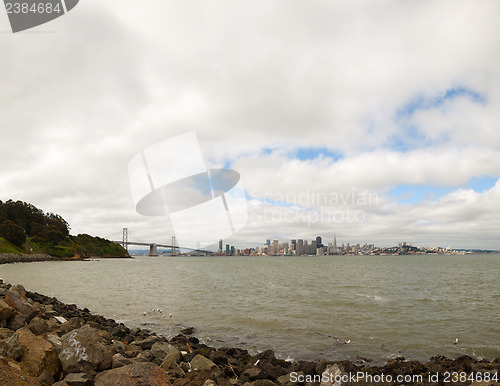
[26,229]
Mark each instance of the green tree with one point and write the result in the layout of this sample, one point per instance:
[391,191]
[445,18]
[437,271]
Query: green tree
[12,232]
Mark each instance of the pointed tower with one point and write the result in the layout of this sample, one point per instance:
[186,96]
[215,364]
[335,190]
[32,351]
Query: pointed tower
[335,243]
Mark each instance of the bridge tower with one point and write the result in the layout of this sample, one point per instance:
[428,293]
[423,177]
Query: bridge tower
[125,238]
[173,245]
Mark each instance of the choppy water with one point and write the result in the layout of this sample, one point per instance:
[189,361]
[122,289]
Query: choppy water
[386,306]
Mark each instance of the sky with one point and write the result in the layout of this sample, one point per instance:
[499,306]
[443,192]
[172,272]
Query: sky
[377,122]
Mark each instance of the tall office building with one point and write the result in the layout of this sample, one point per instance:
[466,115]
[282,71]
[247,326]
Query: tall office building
[276,246]
[319,244]
[335,249]
[220,245]
[268,241]
[300,247]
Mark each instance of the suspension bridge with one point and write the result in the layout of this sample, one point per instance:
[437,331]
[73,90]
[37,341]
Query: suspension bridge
[153,247]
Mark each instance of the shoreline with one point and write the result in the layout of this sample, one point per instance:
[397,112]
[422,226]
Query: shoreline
[74,343]
[11,258]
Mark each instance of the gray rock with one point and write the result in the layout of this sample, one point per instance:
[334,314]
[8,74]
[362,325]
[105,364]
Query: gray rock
[16,298]
[55,341]
[285,379]
[11,347]
[120,347]
[199,362]
[132,351]
[160,350]
[119,361]
[171,360]
[329,374]
[147,343]
[253,373]
[83,350]
[144,356]
[79,379]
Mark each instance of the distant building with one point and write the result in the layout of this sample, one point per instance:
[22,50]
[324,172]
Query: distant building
[220,245]
[276,247]
[300,247]
[319,243]
[227,249]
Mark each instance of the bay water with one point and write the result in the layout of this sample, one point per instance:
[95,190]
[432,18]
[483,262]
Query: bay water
[331,307]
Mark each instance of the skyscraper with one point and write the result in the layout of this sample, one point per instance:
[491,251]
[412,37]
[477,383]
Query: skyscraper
[319,244]
[300,247]
[220,245]
[335,250]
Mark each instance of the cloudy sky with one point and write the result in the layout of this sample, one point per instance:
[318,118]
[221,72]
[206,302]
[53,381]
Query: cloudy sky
[375,121]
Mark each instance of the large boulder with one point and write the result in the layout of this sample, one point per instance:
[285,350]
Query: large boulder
[38,355]
[83,350]
[16,298]
[137,374]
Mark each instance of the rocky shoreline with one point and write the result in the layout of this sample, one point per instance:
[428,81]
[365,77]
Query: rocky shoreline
[7,258]
[46,342]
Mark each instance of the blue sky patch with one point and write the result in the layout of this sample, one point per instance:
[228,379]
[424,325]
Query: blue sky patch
[481,184]
[425,103]
[413,194]
[311,153]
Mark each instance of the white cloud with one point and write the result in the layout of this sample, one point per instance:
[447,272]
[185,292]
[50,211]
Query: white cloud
[113,78]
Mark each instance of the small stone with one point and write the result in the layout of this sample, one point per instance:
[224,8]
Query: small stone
[119,361]
[79,379]
[144,356]
[253,373]
[132,351]
[147,343]
[188,331]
